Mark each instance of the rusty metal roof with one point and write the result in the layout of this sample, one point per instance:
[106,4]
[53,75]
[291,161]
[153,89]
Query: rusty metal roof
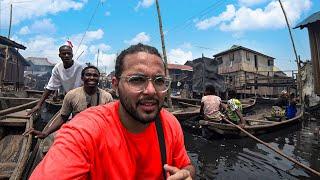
[236,47]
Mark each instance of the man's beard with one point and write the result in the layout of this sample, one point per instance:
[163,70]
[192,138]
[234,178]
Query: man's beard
[134,113]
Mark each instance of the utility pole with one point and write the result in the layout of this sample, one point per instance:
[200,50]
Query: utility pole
[164,53]
[295,53]
[9,33]
[0,17]
[98,58]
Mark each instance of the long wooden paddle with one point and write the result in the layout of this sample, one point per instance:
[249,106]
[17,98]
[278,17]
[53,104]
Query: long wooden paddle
[274,149]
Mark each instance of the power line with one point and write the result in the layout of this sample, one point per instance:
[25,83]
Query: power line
[202,13]
[99,1]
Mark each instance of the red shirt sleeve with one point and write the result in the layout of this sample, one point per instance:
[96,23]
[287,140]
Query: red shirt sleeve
[68,157]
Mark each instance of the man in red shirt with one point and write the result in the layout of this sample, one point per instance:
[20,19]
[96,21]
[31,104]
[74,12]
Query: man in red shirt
[122,140]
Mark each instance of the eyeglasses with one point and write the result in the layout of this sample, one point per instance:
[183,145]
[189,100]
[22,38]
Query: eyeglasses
[140,82]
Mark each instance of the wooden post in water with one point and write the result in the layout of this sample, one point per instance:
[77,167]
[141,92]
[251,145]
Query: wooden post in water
[164,53]
[295,53]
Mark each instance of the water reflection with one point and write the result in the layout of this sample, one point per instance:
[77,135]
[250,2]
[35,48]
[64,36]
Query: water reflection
[221,158]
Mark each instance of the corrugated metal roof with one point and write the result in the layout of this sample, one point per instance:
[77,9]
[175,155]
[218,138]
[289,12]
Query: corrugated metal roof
[311,19]
[236,47]
[179,66]
[39,61]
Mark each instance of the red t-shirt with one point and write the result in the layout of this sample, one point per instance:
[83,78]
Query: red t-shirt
[95,145]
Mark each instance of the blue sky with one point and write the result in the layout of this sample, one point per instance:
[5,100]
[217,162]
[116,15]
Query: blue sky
[192,27]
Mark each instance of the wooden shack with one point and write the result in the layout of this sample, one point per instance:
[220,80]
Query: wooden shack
[250,72]
[313,25]
[181,76]
[12,64]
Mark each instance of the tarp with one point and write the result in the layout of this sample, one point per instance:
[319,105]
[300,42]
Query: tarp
[205,72]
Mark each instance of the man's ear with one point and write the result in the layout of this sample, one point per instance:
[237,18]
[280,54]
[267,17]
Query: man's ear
[115,83]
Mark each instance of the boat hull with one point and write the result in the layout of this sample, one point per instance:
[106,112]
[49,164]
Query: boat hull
[258,126]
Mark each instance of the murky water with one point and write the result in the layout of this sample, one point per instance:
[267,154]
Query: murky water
[220,158]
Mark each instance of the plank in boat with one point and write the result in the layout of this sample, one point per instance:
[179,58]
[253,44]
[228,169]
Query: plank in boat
[14,147]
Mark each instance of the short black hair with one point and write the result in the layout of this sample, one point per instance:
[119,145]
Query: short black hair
[89,67]
[232,93]
[210,89]
[132,50]
[65,47]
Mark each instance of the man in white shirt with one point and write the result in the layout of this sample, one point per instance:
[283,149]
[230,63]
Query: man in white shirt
[66,74]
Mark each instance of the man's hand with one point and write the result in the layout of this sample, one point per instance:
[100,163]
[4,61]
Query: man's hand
[177,174]
[38,134]
[34,109]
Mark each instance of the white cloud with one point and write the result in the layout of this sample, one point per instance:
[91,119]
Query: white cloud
[251,2]
[45,46]
[269,17]
[28,10]
[144,4]
[213,21]
[106,62]
[98,34]
[40,26]
[178,56]
[24,30]
[88,38]
[102,48]
[139,38]
[42,46]
[107,13]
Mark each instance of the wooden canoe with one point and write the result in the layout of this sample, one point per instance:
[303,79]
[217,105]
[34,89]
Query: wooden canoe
[41,148]
[14,147]
[10,102]
[247,105]
[176,100]
[258,124]
[184,111]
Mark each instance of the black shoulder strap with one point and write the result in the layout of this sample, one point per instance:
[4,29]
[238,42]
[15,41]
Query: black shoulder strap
[162,144]
[98,97]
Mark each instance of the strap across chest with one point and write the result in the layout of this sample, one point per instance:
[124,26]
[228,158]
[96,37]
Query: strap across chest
[98,100]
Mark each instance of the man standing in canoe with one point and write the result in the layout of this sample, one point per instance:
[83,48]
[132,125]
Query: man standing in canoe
[66,74]
[133,138]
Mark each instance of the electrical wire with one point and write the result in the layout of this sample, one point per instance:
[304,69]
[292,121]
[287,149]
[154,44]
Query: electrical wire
[202,13]
[99,2]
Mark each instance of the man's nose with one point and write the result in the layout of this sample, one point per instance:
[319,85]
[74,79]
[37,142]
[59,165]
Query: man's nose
[150,89]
